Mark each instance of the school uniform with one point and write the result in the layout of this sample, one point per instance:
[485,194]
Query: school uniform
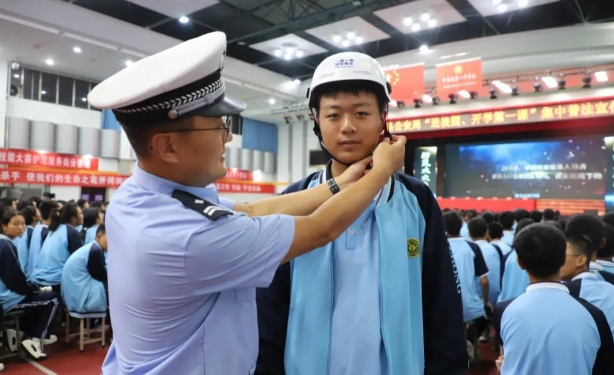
[548,331]
[383,298]
[590,287]
[515,279]
[471,267]
[54,253]
[84,280]
[37,238]
[493,258]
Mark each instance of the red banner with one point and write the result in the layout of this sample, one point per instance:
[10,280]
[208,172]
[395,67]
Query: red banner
[25,176]
[230,187]
[36,159]
[407,83]
[459,75]
[239,174]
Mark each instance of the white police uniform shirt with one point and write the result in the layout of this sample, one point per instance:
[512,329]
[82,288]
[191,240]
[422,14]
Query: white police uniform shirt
[181,285]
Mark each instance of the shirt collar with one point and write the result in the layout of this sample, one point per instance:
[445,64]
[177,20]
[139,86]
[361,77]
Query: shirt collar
[547,285]
[480,241]
[585,274]
[605,262]
[385,193]
[161,185]
[461,238]
[594,266]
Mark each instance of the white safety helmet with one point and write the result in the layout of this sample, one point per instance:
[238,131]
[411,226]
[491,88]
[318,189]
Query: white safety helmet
[348,66]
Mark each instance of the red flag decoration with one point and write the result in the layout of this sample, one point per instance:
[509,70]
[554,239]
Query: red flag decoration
[456,76]
[407,83]
[38,159]
[253,188]
[47,177]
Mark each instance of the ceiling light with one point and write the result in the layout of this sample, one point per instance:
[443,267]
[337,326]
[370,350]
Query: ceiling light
[351,35]
[424,48]
[523,3]
[76,50]
[358,40]
[502,8]
[297,81]
[345,43]
[84,100]
[425,17]
[496,2]
[278,52]
[129,62]
[550,82]
[407,21]
[49,62]
[287,57]
[503,87]
[184,19]
[336,38]
[415,27]
[272,101]
[299,53]
[601,76]
[289,50]
[464,93]
[427,98]
[16,75]
[43,92]
[432,22]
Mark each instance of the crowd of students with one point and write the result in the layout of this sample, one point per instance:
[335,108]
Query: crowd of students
[546,284]
[52,256]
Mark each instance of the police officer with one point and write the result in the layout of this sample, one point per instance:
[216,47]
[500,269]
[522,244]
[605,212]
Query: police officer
[183,262]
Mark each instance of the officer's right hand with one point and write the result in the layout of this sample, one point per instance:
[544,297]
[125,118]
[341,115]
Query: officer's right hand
[389,156]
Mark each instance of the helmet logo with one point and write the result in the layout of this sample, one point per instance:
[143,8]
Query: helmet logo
[344,63]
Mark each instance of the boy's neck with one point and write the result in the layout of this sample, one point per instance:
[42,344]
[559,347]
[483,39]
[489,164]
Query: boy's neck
[552,279]
[337,168]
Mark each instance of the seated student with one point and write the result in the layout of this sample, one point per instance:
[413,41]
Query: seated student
[47,209]
[467,217]
[549,215]
[40,306]
[536,216]
[32,216]
[515,280]
[520,214]
[546,331]
[507,222]
[472,270]
[62,241]
[494,234]
[493,256]
[605,254]
[488,217]
[92,218]
[84,278]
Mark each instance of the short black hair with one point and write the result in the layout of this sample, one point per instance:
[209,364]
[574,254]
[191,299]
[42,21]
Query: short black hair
[583,227]
[453,222]
[101,229]
[523,224]
[354,87]
[477,227]
[470,214]
[562,221]
[536,215]
[541,249]
[608,218]
[520,214]
[507,220]
[488,217]
[607,251]
[46,207]
[495,230]
[549,214]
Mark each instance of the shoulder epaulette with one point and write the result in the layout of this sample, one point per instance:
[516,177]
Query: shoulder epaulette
[202,206]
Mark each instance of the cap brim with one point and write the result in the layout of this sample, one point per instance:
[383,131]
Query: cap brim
[224,106]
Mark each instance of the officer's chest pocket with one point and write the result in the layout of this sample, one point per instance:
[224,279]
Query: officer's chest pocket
[245,295]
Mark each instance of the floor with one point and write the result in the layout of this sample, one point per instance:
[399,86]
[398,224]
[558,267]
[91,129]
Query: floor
[67,360]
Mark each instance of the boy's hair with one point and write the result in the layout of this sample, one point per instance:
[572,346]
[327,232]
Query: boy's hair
[101,229]
[537,216]
[549,214]
[507,220]
[453,222]
[587,228]
[541,249]
[523,224]
[607,251]
[477,227]
[495,230]
[354,87]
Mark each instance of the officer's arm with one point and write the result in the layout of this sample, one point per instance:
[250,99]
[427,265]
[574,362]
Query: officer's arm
[238,252]
[296,204]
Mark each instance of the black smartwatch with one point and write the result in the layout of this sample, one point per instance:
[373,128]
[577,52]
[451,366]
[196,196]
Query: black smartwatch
[334,188]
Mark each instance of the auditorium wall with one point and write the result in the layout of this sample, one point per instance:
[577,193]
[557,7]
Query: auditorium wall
[295,140]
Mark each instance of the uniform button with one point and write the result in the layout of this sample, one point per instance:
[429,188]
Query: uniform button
[351,232]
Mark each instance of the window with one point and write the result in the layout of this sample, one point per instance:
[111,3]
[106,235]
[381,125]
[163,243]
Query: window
[30,84]
[82,88]
[317,157]
[65,91]
[236,125]
[49,88]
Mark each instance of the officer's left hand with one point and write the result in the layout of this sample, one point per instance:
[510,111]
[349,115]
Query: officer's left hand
[354,172]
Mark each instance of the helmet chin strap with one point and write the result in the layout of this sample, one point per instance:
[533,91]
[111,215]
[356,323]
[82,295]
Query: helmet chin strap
[316,130]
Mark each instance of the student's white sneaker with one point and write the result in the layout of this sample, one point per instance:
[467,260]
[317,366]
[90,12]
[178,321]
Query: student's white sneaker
[11,338]
[33,347]
[51,340]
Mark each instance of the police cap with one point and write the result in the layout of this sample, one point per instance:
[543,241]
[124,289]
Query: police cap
[182,81]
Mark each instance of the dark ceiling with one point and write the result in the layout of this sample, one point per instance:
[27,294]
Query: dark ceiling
[248,22]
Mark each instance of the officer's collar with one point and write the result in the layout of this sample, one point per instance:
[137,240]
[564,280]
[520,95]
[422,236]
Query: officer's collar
[161,185]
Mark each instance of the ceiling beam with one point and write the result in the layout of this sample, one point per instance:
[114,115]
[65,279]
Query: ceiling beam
[305,22]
